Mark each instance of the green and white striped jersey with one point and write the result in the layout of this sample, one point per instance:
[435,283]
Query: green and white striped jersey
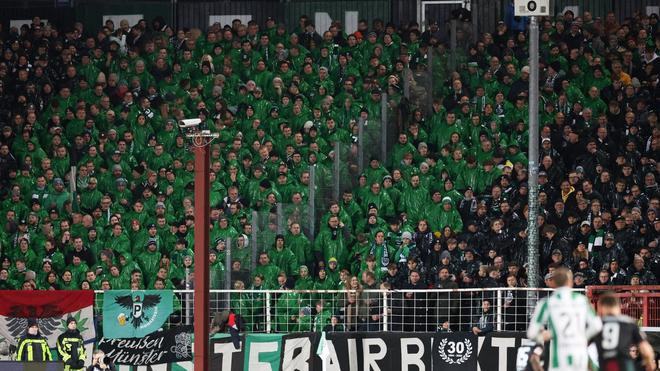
[572,322]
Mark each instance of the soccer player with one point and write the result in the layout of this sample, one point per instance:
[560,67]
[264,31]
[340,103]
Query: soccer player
[571,322]
[619,333]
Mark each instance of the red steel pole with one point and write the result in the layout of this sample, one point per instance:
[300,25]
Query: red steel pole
[201,303]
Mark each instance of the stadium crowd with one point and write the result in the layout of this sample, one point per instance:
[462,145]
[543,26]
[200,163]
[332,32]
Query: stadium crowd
[447,208]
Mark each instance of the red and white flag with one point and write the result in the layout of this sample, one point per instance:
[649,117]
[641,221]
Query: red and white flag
[51,309]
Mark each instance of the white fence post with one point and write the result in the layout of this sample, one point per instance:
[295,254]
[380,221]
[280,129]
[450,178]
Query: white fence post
[188,302]
[385,309]
[498,310]
[268,318]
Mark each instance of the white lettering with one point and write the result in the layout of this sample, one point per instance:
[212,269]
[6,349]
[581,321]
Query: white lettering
[255,350]
[350,21]
[322,21]
[370,360]
[331,361]
[300,362]
[480,343]
[412,359]
[503,344]
[226,349]
[352,355]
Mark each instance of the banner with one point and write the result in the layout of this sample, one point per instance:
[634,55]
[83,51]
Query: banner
[455,351]
[360,351]
[267,356]
[51,309]
[265,352]
[375,350]
[498,350]
[131,314]
[170,346]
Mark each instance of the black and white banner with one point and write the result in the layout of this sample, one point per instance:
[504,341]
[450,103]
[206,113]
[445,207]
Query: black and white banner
[498,350]
[376,351]
[455,351]
[364,351]
[169,346]
[295,351]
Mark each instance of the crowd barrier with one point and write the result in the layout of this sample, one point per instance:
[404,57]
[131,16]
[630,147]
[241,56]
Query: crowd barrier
[285,311]
[267,311]
[639,302]
[461,329]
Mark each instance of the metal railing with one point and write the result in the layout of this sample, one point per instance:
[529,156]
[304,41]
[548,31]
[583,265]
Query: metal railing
[641,302]
[427,310]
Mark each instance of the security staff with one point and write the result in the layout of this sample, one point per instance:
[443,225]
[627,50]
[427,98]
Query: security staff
[33,347]
[70,347]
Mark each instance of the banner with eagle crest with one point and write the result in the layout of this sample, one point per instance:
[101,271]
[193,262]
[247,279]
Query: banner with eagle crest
[132,314]
[51,309]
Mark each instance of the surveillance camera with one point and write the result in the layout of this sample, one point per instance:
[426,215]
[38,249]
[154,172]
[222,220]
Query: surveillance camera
[189,123]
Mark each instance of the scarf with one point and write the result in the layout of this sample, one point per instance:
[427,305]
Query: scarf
[499,109]
[479,103]
[384,258]
[401,256]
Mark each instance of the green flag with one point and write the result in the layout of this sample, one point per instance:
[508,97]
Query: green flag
[131,314]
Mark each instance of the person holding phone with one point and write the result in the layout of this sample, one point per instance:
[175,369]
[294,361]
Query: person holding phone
[100,362]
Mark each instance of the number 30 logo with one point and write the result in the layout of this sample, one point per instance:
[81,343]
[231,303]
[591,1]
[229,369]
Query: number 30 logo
[455,352]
